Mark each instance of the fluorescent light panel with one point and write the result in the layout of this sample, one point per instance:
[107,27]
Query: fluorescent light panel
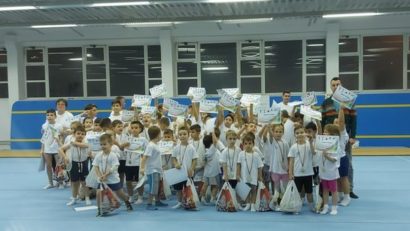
[214,68]
[147,24]
[14,8]
[54,26]
[105,4]
[248,20]
[348,15]
[233,1]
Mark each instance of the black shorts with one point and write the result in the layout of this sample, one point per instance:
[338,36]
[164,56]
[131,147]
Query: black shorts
[233,183]
[304,182]
[79,170]
[179,186]
[344,166]
[132,173]
[121,168]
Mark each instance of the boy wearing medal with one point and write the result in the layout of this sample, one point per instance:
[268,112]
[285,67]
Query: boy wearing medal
[300,163]
[229,159]
[79,163]
[249,168]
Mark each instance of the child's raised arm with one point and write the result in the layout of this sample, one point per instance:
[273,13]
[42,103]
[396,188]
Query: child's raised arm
[341,119]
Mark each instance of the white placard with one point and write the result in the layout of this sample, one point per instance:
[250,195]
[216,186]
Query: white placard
[177,110]
[234,92]
[228,102]
[248,99]
[295,103]
[166,147]
[344,97]
[141,182]
[169,103]
[141,100]
[94,143]
[137,145]
[271,115]
[158,91]
[263,104]
[175,176]
[208,106]
[148,110]
[309,98]
[327,143]
[197,93]
[308,111]
[76,118]
[127,115]
[242,190]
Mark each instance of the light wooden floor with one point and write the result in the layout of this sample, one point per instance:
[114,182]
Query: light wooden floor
[374,151]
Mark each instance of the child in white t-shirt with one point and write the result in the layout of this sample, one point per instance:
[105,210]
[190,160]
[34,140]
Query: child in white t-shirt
[121,140]
[229,159]
[183,156]
[197,142]
[300,164]
[211,168]
[106,165]
[116,113]
[249,169]
[50,142]
[152,167]
[168,138]
[133,150]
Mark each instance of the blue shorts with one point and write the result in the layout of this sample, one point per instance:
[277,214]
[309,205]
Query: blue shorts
[344,166]
[153,182]
[79,170]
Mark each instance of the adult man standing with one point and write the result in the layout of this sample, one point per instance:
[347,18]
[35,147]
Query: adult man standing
[284,105]
[330,110]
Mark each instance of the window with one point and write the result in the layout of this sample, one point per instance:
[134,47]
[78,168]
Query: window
[187,67]
[154,66]
[283,66]
[218,66]
[4,90]
[383,62]
[96,71]
[251,67]
[316,65]
[349,63]
[35,72]
[127,70]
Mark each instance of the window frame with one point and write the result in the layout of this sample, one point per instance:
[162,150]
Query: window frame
[46,71]
[7,81]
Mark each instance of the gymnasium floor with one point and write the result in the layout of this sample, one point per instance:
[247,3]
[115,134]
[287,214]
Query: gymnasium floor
[382,184]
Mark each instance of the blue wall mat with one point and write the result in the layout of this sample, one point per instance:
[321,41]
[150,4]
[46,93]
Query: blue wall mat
[29,115]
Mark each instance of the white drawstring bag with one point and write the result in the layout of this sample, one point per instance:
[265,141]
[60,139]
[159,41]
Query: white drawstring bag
[291,201]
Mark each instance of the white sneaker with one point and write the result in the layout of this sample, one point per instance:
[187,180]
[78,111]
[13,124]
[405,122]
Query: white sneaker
[177,206]
[345,201]
[277,208]
[203,201]
[139,201]
[87,201]
[48,186]
[324,210]
[247,207]
[253,209]
[333,211]
[61,186]
[72,202]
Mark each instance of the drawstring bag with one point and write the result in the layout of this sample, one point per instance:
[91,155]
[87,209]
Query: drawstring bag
[190,199]
[108,201]
[291,201]
[226,200]
[263,198]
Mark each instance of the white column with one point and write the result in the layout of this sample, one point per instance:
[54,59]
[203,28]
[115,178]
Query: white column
[332,53]
[15,67]
[167,61]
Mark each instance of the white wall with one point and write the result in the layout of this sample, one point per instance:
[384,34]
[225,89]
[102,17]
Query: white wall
[5,115]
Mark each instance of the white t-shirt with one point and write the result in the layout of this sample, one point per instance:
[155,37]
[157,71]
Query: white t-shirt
[105,162]
[289,133]
[200,150]
[133,153]
[115,117]
[303,159]
[328,170]
[267,150]
[185,155]
[343,139]
[287,107]
[279,164]
[230,157]
[153,164]
[78,154]
[122,139]
[49,138]
[212,167]
[250,163]
[64,119]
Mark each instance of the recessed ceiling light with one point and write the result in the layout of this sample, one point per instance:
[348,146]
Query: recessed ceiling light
[106,4]
[54,26]
[348,15]
[14,8]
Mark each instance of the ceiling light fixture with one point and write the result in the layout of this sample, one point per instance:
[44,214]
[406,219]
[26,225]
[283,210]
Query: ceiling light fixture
[233,1]
[214,68]
[107,4]
[247,20]
[147,24]
[54,26]
[348,15]
[14,8]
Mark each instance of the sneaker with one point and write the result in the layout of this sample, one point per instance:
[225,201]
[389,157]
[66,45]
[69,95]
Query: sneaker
[177,206]
[131,200]
[48,186]
[333,211]
[324,210]
[151,207]
[277,208]
[61,186]
[87,201]
[203,201]
[253,209]
[139,201]
[72,202]
[246,207]
[160,204]
[212,202]
[99,213]
[345,201]
[128,205]
[353,195]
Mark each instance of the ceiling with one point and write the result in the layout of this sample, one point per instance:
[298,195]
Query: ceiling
[80,11]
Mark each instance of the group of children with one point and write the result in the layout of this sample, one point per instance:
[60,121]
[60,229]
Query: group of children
[212,150]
